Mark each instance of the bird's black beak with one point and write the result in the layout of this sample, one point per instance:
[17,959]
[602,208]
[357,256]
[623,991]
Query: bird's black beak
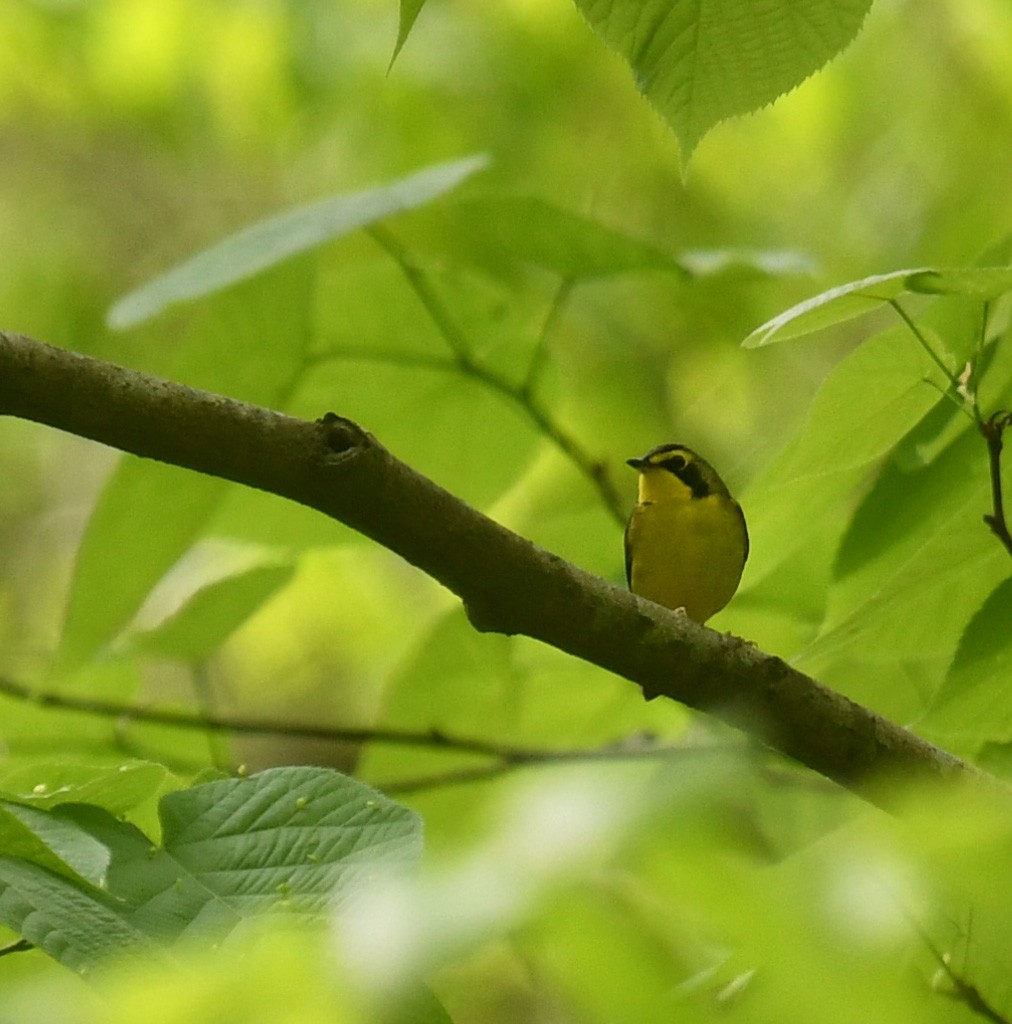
[635,463]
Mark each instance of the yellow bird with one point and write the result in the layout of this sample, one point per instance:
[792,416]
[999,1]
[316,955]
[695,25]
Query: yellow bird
[686,542]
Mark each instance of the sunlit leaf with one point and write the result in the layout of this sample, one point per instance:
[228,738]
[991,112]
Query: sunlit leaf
[866,405]
[702,63]
[763,262]
[118,789]
[279,238]
[851,300]
[845,302]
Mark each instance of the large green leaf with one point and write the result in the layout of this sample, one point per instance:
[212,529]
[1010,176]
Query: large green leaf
[974,704]
[867,404]
[248,343]
[214,611]
[78,926]
[58,835]
[279,238]
[146,517]
[914,568]
[295,841]
[571,244]
[701,61]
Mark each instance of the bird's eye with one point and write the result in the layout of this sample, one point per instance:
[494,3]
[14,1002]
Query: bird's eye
[675,463]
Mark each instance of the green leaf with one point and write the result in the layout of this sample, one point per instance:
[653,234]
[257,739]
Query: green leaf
[279,238]
[79,927]
[149,514]
[913,571]
[294,841]
[118,789]
[700,63]
[63,837]
[837,305]
[974,704]
[400,377]
[572,245]
[410,9]
[213,612]
[128,791]
[973,282]
[869,402]
[851,300]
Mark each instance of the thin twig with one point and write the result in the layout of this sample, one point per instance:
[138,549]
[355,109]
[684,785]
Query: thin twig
[521,395]
[265,727]
[540,353]
[504,754]
[993,429]
[609,752]
[925,344]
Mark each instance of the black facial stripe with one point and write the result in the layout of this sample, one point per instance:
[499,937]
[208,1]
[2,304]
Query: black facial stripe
[690,475]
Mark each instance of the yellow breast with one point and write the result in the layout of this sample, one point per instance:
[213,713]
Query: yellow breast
[685,552]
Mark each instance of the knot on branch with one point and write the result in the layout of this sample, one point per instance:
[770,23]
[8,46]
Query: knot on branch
[341,435]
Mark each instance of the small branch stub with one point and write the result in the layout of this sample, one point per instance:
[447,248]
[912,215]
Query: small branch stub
[341,435]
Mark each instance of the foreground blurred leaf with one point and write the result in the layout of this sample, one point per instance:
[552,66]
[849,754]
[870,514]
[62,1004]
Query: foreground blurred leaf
[293,841]
[702,63]
[271,241]
[272,973]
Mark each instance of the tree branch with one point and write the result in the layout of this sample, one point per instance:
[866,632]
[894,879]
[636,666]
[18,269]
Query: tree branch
[508,585]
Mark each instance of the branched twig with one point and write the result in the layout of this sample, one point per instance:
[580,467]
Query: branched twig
[521,395]
[925,344]
[962,991]
[992,428]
